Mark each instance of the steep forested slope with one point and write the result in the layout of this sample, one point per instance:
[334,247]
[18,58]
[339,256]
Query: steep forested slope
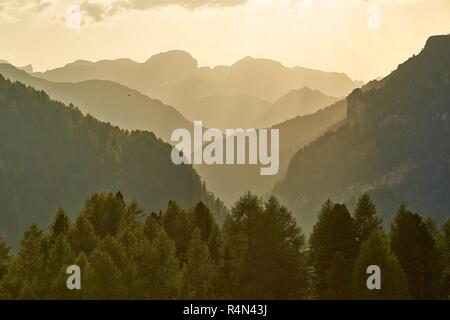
[395,144]
[52,155]
[108,101]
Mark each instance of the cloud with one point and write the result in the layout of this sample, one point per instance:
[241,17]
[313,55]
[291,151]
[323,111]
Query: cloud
[40,6]
[95,10]
[36,6]
[145,4]
[99,10]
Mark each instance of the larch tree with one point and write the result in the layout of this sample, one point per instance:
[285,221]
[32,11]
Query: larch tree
[376,251]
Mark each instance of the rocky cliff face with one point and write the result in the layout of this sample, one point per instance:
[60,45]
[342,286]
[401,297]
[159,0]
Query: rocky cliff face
[395,145]
[355,106]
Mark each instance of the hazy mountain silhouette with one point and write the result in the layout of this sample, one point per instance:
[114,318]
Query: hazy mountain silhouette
[225,111]
[108,101]
[147,77]
[175,77]
[28,68]
[52,155]
[394,144]
[269,80]
[296,103]
[229,182]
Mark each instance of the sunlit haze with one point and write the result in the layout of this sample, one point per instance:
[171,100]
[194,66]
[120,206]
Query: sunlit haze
[321,34]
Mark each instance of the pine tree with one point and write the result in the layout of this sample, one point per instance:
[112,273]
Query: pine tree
[152,227]
[86,291]
[338,285]
[61,223]
[241,224]
[264,244]
[129,240]
[445,234]
[290,248]
[366,219]
[59,289]
[106,212]
[216,251]
[240,233]
[198,270]
[82,236]
[444,243]
[133,214]
[227,276]
[216,245]
[415,247]
[60,256]
[277,251]
[376,251]
[158,267]
[246,210]
[333,232]
[24,278]
[169,218]
[178,225]
[203,220]
[125,262]
[106,280]
[5,257]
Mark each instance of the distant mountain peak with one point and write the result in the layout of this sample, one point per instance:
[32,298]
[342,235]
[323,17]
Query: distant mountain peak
[305,92]
[248,60]
[79,62]
[304,89]
[437,46]
[171,56]
[28,68]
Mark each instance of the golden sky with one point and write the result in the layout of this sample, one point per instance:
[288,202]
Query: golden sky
[363,38]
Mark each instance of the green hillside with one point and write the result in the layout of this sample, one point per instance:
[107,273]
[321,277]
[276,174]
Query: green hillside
[108,101]
[394,145]
[52,155]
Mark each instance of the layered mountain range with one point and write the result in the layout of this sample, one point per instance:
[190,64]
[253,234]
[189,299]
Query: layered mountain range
[108,101]
[388,137]
[236,95]
[52,155]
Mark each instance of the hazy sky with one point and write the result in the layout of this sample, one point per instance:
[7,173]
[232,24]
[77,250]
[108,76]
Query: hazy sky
[365,39]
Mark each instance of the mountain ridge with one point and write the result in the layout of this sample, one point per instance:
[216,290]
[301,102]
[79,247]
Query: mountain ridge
[160,77]
[296,102]
[392,144]
[109,101]
[52,155]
